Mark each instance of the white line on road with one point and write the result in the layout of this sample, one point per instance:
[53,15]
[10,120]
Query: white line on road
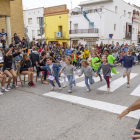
[136,92]
[113,108]
[117,83]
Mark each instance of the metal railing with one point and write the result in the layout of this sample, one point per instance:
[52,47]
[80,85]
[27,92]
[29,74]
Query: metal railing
[88,11]
[136,17]
[82,31]
[61,35]
[128,36]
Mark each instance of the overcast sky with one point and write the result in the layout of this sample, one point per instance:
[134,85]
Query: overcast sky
[28,4]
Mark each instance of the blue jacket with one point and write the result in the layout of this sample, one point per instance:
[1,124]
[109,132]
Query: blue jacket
[78,53]
[55,69]
[125,49]
[68,51]
[128,61]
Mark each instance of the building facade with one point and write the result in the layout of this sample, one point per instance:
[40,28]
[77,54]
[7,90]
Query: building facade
[106,21]
[11,19]
[56,24]
[31,23]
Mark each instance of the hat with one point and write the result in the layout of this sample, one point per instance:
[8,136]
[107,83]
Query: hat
[126,45]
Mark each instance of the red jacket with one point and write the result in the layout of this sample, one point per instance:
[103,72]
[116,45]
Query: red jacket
[73,56]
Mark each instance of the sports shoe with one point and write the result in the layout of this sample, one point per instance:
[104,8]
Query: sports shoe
[4,90]
[8,87]
[88,90]
[60,88]
[70,91]
[108,89]
[32,84]
[52,88]
[128,86]
[14,86]
[64,86]
[29,84]
[1,93]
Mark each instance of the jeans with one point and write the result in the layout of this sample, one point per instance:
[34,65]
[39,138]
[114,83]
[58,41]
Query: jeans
[90,81]
[58,58]
[79,60]
[57,81]
[71,81]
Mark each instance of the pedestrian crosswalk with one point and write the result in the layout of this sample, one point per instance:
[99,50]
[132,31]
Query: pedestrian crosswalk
[136,92]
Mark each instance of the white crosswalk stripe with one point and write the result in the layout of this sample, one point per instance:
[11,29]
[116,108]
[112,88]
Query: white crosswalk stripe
[136,92]
[117,83]
[113,108]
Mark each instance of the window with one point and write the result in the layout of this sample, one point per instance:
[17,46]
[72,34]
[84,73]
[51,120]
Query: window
[90,25]
[136,31]
[37,20]
[38,32]
[129,14]
[124,29]
[29,21]
[75,26]
[116,9]
[133,30]
[114,27]
[124,12]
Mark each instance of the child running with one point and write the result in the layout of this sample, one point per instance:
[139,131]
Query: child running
[7,67]
[95,58]
[26,68]
[106,68]
[69,68]
[53,70]
[74,58]
[87,70]
[128,63]
[62,63]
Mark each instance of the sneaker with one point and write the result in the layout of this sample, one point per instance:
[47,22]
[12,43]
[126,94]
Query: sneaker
[60,88]
[70,91]
[64,86]
[32,84]
[8,87]
[4,90]
[1,93]
[108,89]
[128,86]
[29,84]
[101,79]
[52,89]
[14,86]
[88,90]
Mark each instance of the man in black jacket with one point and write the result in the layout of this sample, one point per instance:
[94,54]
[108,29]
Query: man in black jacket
[39,43]
[34,57]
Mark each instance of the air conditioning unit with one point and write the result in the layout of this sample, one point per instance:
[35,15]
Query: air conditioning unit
[58,34]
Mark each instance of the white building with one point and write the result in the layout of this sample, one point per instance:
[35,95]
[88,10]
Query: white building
[31,22]
[109,17]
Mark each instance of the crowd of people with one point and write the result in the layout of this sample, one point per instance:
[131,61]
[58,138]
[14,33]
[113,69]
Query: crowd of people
[56,62]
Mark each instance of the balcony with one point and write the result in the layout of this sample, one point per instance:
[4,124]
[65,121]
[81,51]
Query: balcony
[88,11]
[139,32]
[136,18]
[84,33]
[60,35]
[128,35]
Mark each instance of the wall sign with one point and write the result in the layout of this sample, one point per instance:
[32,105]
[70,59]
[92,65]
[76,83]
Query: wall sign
[91,39]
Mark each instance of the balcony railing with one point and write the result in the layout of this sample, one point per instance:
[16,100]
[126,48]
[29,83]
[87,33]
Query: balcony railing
[83,31]
[136,17]
[128,36]
[88,11]
[59,35]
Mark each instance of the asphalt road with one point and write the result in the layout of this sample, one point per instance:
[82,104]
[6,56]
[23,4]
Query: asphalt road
[26,114]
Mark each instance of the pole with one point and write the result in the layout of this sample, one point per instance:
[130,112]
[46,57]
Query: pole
[8,30]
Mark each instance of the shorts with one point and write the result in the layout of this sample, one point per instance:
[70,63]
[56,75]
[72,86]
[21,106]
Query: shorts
[7,69]
[128,70]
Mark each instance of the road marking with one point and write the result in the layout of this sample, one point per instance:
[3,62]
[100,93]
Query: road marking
[117,83]
[109,107]
[96,79]
[136,92]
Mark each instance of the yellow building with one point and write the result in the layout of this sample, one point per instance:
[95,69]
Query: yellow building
[11,18]
[56,24]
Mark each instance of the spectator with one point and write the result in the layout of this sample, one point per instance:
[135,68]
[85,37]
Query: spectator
[44,44]
[39,43]
[20,45]
[46,49]
[27,44]
[17,39]
[12,45]
[68,51]
[4,34]
[125,48]
[50,46]
[80,47]
[58,53]
[117,46]
[116,55]
[86,51]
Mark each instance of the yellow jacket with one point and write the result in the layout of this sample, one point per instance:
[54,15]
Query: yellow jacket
[82,55]
[86,53]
